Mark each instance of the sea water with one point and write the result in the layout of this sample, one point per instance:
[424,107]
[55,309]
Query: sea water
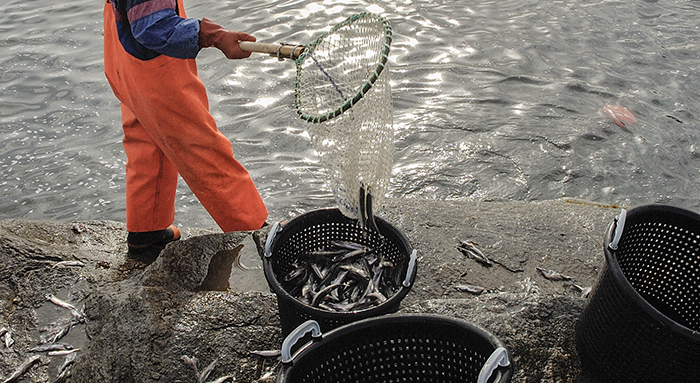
[493,100]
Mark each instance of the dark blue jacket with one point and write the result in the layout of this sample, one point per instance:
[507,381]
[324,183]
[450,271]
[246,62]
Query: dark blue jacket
[149,28]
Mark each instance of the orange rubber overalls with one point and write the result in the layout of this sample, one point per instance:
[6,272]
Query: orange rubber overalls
[168,130]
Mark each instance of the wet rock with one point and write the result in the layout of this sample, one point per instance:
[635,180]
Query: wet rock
[141,320]
[184,265]
[537,330]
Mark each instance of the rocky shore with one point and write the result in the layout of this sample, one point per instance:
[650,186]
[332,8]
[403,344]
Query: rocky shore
[149,323]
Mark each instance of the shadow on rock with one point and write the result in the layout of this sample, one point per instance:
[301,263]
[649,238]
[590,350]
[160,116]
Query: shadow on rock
[141,327]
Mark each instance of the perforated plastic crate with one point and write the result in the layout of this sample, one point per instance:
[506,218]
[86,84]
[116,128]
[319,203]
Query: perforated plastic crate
[642,319]
[397,348]
[312,231]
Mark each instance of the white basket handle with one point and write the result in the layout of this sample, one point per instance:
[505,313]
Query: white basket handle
[619,228]
[271,238]
[298,333]
[498,358]
[411,268]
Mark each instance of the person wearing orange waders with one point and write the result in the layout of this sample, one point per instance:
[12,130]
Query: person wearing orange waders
[149,52]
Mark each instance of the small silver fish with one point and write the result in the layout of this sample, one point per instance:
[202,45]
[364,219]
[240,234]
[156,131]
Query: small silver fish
[476,290]
[348,245]
[193,362]
[267,376]
[7,338]
[323,292]
[60,333]
[207,371]
[62,352]
[224,379]
[51,347]
[63,371]
[349,255]
[24,367]
[68,264]
[58,302]
[267,353]
[471,251]
[586,292]
[553,275]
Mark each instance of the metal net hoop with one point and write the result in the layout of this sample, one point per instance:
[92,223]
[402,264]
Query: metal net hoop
[343,90]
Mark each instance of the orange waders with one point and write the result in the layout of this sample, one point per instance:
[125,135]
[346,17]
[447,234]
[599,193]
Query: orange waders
[168,130]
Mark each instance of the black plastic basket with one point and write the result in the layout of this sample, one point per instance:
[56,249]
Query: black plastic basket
[397,348]
[313,230]
[642,319]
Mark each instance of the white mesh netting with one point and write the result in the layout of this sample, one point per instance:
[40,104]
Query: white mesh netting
[343,89]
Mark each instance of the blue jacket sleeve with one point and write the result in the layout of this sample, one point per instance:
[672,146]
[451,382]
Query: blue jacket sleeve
[163,31]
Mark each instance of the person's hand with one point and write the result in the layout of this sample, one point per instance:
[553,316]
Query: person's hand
[214,35]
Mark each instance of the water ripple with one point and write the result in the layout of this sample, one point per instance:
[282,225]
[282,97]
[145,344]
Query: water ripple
[492,100]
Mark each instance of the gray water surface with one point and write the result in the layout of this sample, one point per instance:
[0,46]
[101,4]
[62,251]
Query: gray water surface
[493,100]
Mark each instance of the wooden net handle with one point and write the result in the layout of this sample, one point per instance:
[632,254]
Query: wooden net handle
[277,50]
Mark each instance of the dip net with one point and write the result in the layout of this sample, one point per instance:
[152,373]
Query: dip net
[343,91]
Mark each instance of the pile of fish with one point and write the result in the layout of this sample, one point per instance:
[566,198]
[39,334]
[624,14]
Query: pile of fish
[343,276]
[49,343]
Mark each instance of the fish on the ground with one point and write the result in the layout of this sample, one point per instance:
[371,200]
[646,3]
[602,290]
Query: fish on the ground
[225,379]
[193,363]
[59,332]
[58,302]
[529,286]
[51,347]
[585,291]
[267,353]
[553,275]
[476,290]
[473,252]
[62,352]
[64,371]
[68,264]
[207,371]
[22,369]
[6,335]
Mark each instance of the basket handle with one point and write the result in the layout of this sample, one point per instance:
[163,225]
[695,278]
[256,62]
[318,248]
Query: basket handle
[411,268]
[298,333]
[271,238]
[619,228]
[498,358]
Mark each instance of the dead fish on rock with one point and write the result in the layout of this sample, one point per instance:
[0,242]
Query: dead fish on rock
[553,275]
[476,290]
[267,353]
[207,371]
[529,286]
[51,347]
[58,302]
[64,371]
[225,379]
[6,337]
[22,369]
[62,352]
[585,291]
[471,251]
[193,363]
[59,331]
[68,264]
